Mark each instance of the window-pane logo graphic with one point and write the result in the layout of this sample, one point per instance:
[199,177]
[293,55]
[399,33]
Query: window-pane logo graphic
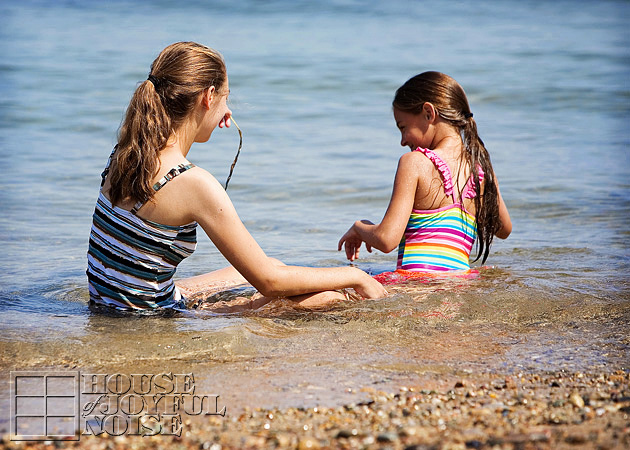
[53,406]
[44,405]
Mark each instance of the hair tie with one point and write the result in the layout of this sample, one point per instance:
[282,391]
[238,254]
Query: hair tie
[468,115]
[155,81]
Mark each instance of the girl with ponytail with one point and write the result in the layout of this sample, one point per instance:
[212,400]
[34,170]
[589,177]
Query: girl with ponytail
[445,195]
[152,198]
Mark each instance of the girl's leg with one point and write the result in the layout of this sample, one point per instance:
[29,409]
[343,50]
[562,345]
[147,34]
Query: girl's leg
[239,304]
[212,281]
[318,300]
[307,301]
[229,277]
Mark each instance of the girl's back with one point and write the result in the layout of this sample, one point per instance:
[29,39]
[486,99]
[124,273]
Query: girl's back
[434,190]
[445,192]
[440,231]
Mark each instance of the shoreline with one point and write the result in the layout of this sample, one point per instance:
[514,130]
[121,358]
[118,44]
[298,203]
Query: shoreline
[335,380]
[545,410]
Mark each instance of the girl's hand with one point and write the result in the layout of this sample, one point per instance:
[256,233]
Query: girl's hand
[352,243]
[225,122]
[370,288]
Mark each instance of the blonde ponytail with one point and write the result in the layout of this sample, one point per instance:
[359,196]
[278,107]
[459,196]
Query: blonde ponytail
[143,134]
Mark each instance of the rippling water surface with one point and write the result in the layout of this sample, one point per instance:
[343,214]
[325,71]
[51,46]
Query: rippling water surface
[311,87]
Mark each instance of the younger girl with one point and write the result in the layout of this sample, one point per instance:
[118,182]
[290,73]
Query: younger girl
[152,198]
[445,192]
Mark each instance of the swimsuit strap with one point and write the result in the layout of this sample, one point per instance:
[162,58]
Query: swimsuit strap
[165,179]
[442,167]
[172,174]
[109,162]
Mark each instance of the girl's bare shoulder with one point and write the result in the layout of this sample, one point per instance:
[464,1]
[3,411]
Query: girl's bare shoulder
[196,186]
[416,162]
[199,177]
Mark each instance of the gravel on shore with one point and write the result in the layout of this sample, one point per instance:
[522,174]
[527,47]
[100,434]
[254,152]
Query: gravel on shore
[554,410]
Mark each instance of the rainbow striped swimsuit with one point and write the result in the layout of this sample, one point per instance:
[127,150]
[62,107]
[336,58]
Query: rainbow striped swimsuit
[439,240]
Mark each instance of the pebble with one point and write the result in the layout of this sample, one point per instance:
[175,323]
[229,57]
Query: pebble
[576,399]
[344,434]
[308,444]
[387,437]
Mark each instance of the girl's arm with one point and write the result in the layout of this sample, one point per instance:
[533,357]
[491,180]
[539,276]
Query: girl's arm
[386,235]
[210,207]
[504,216]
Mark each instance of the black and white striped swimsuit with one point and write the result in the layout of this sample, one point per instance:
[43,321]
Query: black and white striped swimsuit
[131,261]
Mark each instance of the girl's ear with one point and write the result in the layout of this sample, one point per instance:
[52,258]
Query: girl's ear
[429,111]
[207,96]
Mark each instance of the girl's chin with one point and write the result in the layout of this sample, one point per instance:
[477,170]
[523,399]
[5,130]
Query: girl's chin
[203,139]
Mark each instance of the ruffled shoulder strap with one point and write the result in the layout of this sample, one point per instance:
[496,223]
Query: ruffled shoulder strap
[470,191]
[442,167]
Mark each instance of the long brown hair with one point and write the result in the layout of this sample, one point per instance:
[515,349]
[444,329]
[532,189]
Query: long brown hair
[449,99]
[159,106]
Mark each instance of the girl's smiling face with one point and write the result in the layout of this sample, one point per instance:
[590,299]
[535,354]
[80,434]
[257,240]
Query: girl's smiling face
[414,128]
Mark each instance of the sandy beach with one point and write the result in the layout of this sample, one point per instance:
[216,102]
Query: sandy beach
[519,411]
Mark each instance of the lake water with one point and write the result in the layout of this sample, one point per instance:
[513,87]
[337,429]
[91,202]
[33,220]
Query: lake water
[311,87]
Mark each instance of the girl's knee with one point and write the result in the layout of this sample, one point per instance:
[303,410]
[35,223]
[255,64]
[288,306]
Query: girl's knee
[276,262]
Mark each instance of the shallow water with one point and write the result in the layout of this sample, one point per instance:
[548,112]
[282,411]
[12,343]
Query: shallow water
[311,87]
